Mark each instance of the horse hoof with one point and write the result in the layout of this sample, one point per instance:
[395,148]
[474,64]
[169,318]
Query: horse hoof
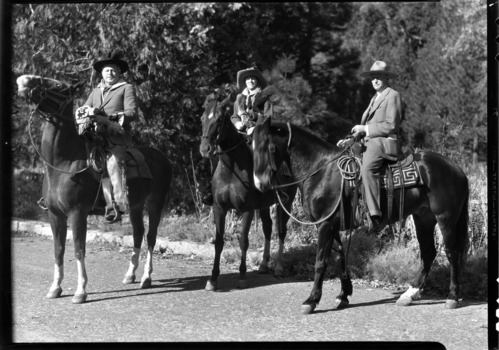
[263,269]
[129,279]
[403,302]
[307,309]
[56,293]
[340,304]
[79,298]
[242,284]
[211,286]
[146,283]
[451,304]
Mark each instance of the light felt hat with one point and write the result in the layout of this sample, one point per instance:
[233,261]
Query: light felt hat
[243,74]
[379,68]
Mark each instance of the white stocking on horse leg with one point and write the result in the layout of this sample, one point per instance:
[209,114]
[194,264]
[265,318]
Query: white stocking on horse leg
[264,265]
[56,290]
[410,295]
[134,264]
[81,294]
[279,270]
[146,278]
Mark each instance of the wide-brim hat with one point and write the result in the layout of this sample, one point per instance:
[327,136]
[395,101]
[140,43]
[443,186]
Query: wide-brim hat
[111,58]
[250,72]
[379,68]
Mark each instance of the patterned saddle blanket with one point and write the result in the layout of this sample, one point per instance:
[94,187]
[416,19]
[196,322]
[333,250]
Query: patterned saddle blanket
[409,176]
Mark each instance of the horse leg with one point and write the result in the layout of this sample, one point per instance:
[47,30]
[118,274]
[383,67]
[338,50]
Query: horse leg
[59,232]
[244,244]
[219,216]
[341,300]
[282,222]
[79,226]
[450,232]
[154,219]
[425,222]
[267,232]
[138,234]
[324,244]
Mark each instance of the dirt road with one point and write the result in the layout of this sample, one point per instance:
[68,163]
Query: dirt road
[177,308]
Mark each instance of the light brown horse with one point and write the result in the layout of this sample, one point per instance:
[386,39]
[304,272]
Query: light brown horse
[71,187]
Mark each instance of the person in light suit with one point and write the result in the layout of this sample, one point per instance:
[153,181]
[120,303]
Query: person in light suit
[379,127]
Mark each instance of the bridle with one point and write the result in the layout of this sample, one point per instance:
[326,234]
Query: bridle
[62,101]
[216,137]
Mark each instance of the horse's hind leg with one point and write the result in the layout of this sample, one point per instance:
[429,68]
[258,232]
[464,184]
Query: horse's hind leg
[424,221]
[138,234]
[154,220]
[244,244]
[59,232]
[341,300]
[267,232]
[79,225]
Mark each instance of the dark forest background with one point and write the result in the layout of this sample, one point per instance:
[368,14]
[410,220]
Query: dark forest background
[311,52]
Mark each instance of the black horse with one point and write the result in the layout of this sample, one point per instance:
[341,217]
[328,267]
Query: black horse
[443,199]
[233,188]
[71,187]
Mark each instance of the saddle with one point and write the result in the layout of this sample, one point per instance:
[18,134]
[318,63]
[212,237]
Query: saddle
[396,173]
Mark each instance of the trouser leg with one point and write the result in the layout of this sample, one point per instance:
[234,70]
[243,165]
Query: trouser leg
[372,163]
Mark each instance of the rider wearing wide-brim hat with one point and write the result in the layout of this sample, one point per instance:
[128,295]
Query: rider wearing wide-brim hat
[379,127]
[116,101]
[250,101]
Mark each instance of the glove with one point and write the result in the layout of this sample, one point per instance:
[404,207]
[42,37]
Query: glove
[239,125]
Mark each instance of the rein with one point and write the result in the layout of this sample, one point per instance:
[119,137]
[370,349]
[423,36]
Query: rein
[309,175]
[45,116]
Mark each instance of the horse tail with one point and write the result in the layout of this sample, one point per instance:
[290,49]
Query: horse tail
[463,242]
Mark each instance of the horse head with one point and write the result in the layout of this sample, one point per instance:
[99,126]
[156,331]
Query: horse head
[270,150]
[215,122]
[50,96]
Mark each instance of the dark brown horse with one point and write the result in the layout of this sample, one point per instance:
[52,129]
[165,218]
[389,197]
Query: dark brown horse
[443,199]
[233,188]
[71,187]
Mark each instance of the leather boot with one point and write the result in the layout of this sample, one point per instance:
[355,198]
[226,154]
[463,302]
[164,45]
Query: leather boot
[112,213]
[376,225]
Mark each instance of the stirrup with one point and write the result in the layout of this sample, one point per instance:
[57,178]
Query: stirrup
[109,217]
[41,204]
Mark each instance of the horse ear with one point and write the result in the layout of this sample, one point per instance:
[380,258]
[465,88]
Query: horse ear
[264,120]
[75,88]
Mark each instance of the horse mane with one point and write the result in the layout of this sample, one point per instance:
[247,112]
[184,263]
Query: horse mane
[308,136]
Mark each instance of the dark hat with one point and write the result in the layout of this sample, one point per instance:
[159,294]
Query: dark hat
[250,72]
[379,68]
[111,58]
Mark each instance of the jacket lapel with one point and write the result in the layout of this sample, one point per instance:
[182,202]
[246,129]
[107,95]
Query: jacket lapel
[376,103]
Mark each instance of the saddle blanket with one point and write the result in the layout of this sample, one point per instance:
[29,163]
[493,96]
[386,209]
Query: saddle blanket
[410,176]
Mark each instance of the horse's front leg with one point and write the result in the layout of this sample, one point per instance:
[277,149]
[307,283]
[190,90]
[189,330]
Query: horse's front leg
[138,235]
[324,244]
[79,226]
[267,232]
[282,229]
[59,233]
[244,244]
[219,217]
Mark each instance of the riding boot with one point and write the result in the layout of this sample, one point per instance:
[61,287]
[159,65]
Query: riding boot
[112,213]
[376,225]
